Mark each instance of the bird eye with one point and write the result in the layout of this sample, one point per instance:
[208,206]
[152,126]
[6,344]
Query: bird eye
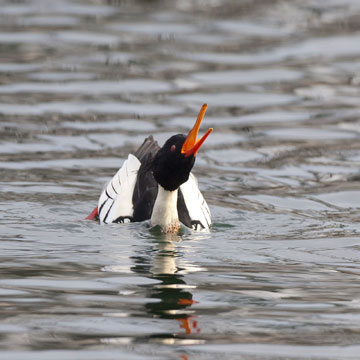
[173,148]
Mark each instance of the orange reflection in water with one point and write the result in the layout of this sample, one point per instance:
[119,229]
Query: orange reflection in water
[184,357]
[187,301]
[190,324]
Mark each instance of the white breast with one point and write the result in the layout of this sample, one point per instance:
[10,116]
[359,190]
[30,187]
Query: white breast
[165,212]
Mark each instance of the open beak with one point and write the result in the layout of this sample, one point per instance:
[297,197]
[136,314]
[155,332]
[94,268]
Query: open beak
[192,145]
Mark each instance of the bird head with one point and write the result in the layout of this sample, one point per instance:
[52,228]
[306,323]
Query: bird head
[173,162]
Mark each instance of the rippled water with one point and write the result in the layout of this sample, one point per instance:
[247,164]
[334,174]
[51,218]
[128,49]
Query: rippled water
[83,82]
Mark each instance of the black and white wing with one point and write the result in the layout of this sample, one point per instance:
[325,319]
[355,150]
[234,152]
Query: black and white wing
[196,205]
[115,202]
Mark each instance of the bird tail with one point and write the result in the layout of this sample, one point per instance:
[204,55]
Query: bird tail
[149,146]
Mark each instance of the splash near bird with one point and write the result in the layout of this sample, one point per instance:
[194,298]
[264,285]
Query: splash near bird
[157,184]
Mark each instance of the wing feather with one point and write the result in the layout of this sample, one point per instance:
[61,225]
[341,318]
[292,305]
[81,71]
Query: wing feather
[116,198]
[196,205]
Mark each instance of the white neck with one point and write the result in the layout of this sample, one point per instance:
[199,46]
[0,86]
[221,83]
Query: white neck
[165,212]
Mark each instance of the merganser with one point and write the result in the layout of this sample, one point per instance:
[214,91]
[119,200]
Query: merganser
[157,184]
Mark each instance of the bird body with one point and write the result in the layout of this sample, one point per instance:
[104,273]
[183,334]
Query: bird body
[156,184]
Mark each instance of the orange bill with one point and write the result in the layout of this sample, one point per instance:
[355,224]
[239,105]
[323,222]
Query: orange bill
[192,145]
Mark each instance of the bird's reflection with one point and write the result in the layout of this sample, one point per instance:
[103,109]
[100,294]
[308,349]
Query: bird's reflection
[160,262]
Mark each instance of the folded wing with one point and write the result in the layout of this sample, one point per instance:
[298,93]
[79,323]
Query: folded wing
[115,202]
[196,205]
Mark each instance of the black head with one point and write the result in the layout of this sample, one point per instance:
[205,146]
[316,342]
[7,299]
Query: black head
[174,161]
[171,167]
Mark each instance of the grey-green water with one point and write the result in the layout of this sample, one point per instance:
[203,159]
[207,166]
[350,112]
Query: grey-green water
[83,82]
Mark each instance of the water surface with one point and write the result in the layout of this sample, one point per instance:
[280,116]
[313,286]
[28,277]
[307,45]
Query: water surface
[82,83]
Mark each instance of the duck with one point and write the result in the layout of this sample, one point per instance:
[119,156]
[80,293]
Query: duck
[156,184]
